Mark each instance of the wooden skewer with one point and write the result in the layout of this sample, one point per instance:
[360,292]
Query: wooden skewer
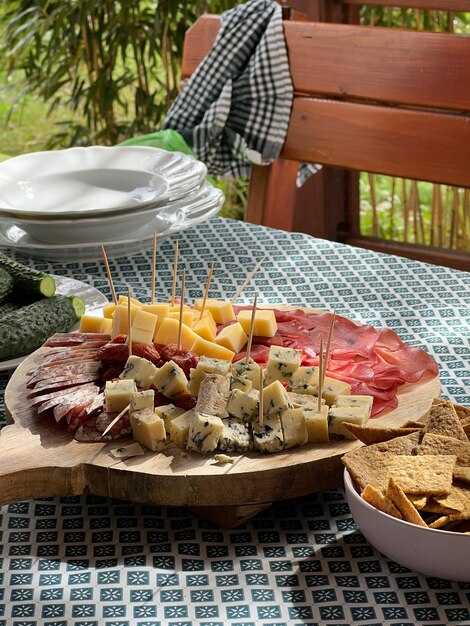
[129,325]
[249,277]
[108,273]
[115,420]
[180,322]
[320,375]
[328,345]
[206,290]
[260,404]
[252,326]
[175,271]
[154,266]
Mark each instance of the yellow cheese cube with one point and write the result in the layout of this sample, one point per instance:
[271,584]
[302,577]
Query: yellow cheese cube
[317,423]
[232,337]
[187,316]
[120,320]
[176,307]
[143,327]
[118,393]
[265,324]
[168,333]
[202,347]
[91,324]
[179,428]
[148,429]
[294,428]
[161,309]
[205,328]
[108,309]
[106,325]
[222,310]
[134,302]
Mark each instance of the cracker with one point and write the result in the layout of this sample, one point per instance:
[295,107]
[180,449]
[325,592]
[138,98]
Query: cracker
[418,501]
[413,424]
[376,434]
[440,444]
[430,475]
[452,517]
[462,473]
[458,499]
[380,501]
[399,499]
[443,420]
[369,464]
[432,506]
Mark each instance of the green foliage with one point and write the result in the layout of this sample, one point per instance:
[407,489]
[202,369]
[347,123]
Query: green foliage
[113,64]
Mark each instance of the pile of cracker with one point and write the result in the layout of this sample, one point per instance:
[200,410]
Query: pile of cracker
[420,472]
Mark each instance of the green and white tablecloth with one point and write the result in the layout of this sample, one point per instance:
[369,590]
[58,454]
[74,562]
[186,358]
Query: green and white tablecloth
[89,561]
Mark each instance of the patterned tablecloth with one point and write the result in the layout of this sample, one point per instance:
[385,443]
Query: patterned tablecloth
[88,561]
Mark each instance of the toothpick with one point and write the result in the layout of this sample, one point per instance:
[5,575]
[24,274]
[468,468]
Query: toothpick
[328,345]
[260,404]
[180,322]
[129,325]
[252,326]
[175,271]
[249,277]
[115,420]
[320,375]
[206,291]
[154,265]
[108,273]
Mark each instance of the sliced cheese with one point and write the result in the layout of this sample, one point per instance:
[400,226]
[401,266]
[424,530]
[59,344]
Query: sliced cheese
[265,324]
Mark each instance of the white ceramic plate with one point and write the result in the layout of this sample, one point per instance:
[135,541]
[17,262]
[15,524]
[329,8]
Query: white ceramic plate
[94,301]
[97,180]
[204,205]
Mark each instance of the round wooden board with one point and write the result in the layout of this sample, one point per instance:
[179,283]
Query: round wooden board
[39,458]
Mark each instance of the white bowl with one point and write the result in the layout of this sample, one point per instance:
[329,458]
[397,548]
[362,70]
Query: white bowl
[433,552]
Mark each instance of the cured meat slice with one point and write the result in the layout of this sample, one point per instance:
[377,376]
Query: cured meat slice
[88,433]
[73,339]
[74,392]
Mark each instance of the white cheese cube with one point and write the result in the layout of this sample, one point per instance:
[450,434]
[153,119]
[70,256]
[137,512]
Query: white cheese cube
[244,384]
[303,400]
[333,388]
[139,369]
[213,366]
[250,370]
[340,414]
[317,423]
[282,363]
[168,412]
[148,429]
[179,428]
[196,376]
[268,437]
[204,433]
[243,404]
[303,378]
[117,394]
[352,401]
[294,428]
[142,400]
[235,436]
[275,399]
[170,380]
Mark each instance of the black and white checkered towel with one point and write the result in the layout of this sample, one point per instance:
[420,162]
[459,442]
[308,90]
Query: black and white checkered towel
[235,108]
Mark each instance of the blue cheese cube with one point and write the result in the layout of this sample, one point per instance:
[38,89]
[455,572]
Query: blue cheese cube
[196,376]
[304,378]
[179,428]
[268,437]
[243,404]
[340,414]
[170,380]
[251,371]
[148,429]
[139,369]
[275,399]
[354,401]
[235,436]
[204,433]
[316,423]
[142,400]
[213,366]
[303,400]
[282,363]
[332,389]
[168,412]
[117,394]
[244,384]
[294,428]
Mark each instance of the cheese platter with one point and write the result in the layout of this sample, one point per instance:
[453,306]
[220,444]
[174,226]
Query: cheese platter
[39,457]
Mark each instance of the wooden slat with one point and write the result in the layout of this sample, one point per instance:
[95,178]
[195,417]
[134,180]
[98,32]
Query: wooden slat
[390,65]
[399,142]
[198,40]
[433,5]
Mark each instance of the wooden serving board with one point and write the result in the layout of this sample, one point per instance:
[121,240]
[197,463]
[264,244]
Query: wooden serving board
[39,458]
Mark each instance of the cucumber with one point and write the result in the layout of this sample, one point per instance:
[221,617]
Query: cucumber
[6,284]
[27,328]
[31,282]
[8,307]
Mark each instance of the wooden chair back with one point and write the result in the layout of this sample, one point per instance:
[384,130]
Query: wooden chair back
[381,100]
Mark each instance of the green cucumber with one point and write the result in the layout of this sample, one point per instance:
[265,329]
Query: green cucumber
[27,328]
[30,281]
[8,307]
[6,284]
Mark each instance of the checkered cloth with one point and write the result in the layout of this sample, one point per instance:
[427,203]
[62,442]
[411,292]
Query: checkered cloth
[235,109]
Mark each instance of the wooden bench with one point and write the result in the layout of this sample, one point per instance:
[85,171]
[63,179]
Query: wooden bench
[381,100]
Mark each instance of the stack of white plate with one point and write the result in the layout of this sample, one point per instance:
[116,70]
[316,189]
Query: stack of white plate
[66,203]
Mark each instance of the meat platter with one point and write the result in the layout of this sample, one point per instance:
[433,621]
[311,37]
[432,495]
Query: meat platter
[38,458]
